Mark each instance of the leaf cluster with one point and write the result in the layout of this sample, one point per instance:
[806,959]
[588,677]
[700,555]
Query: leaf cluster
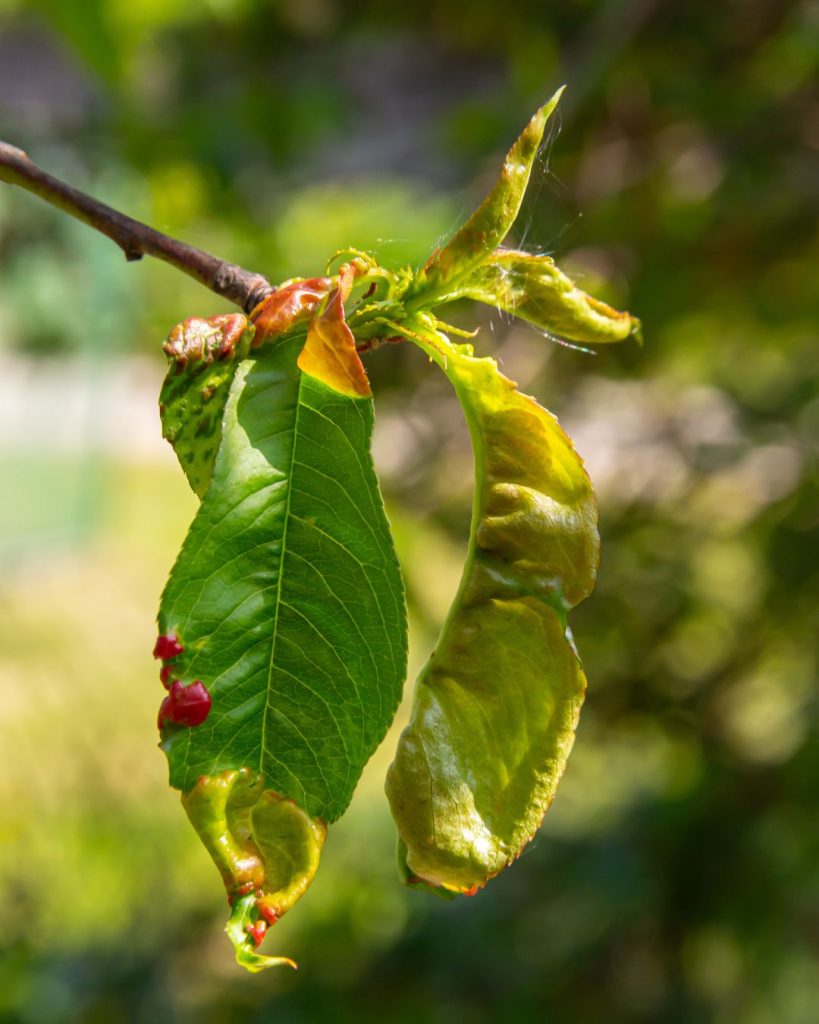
[286,605]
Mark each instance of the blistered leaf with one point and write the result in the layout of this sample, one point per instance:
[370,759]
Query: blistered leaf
[283,632]
[533,288]
[288,305]
[204,355]
[241,927]
[496,706]
[286,603]
[490,223]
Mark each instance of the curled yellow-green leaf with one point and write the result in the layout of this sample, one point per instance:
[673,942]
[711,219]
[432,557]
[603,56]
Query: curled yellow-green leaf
[535,289]
[489,224]
[267,850]
[496,706]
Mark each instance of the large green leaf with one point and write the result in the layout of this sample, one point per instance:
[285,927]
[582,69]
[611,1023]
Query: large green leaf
[496,705]
[286,595]
[283,625]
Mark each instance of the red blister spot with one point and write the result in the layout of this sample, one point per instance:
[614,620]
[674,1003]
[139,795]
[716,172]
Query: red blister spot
[185,705]
[190,705]
[165,676]
[164,712]
[257,932]
[288,305]
[167,646]
[268,913]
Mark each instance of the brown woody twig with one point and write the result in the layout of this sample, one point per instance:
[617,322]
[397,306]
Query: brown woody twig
[240,286]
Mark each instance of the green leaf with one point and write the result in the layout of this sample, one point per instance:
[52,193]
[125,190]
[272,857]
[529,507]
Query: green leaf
[438,280]
[533,288]
[496,706]
[283,622]
[286,595]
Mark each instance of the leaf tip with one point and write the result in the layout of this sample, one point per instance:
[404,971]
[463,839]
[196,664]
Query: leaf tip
[547,109]
[239,930]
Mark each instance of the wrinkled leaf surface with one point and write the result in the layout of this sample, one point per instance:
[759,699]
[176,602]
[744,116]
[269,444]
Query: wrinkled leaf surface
[496,706]
[535,289]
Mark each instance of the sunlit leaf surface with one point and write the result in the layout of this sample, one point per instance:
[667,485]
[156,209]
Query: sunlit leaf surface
[286,595]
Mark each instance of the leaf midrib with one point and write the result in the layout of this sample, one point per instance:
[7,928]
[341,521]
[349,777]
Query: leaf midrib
[267,702]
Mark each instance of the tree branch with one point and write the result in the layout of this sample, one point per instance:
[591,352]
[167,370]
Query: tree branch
[242,287]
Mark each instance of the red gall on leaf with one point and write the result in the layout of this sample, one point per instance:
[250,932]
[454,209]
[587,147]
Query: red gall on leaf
[267,912]
[167,647]
[164,712]
[257,932]
[185,705]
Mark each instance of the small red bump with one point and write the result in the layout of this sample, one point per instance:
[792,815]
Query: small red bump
[164,712]
[257,932]
[190,705]
[472,890]
[185,705]
[268,913]
[167,646]
[165,676]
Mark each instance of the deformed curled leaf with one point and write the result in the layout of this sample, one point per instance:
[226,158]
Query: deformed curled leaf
[486,229]
[329,353]
[266,848]
[291,303]
[472,264]
[496,706]
[535,289]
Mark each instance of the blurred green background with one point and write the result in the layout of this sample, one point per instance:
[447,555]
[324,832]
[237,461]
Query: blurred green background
[676,878]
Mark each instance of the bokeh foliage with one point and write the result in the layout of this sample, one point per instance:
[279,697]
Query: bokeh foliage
[676,876]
